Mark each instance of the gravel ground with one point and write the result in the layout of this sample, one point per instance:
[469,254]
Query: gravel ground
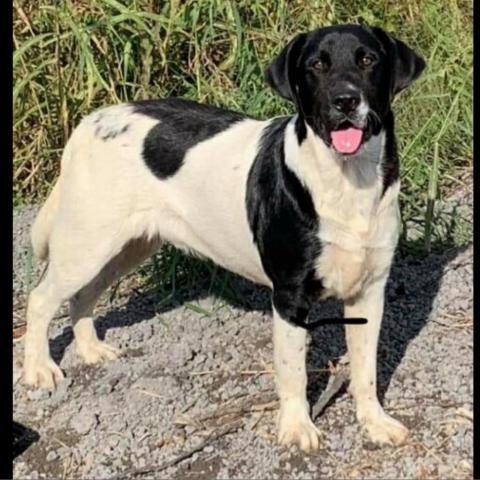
[184,378]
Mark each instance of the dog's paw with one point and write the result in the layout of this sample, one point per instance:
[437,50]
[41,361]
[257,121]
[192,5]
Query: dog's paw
[296,428]
[42,374]
[383,429]
[98,351]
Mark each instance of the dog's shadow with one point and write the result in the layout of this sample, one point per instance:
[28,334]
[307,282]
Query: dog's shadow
[411,290]
[412,287]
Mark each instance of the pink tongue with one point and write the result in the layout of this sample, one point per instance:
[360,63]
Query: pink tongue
[348,140]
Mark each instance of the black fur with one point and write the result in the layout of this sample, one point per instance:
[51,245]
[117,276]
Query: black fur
[404,64]
[300,130]
[295,76]
[390,167]
[106,132]
[284,225]
[109,134]
[182,124]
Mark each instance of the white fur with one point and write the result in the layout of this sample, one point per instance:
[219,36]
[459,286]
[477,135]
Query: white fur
[363,110]
[362,341]
[289,347]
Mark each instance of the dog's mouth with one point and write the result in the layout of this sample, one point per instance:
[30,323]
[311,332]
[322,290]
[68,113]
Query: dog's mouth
[347,138]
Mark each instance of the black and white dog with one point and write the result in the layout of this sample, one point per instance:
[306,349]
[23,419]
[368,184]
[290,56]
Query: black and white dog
[305,204]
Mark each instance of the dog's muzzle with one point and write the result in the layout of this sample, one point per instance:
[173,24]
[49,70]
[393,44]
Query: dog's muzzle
[350,113]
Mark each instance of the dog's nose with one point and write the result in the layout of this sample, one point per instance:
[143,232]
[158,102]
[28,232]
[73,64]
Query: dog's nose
[346,102]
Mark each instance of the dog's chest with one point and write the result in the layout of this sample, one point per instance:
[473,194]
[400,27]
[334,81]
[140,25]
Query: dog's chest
[358,233]
[358,222]
[358,247]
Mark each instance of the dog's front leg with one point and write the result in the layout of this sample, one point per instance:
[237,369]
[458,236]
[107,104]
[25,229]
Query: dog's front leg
[362,341]
[294,423]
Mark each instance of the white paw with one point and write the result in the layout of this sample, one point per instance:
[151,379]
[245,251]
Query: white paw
[296,428]
[97,351]
[42,373]
[384,429]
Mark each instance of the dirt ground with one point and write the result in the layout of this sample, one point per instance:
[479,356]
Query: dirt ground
[203,386]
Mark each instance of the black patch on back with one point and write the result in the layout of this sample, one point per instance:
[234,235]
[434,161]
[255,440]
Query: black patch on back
[390,167]
[182,124]
[284,224]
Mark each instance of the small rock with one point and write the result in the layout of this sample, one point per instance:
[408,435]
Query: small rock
[199,359]
[62,390]
[208,449]
[62,452]
[104,388]
[101,471]
[178,354]
[116,423]
[51,455]
[83,422]
[38,394]
[123,445]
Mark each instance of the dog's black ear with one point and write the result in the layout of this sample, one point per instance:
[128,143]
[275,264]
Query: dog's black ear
[280,74]
[406,64]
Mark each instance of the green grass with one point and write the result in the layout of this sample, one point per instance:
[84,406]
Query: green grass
[74,56]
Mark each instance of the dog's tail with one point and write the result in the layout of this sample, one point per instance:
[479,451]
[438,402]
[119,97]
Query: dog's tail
[42,227]
[43,224]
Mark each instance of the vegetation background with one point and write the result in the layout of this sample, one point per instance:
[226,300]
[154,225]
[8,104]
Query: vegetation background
[73,56]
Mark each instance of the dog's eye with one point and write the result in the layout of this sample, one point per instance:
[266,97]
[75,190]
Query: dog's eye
[366,61]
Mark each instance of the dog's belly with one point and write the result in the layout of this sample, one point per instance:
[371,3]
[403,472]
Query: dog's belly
[223,249]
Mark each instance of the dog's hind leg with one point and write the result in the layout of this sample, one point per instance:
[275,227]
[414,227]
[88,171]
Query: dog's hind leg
[89,346]
[81,265]
[39,368]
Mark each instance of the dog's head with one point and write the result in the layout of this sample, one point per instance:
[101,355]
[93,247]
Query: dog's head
[342,80]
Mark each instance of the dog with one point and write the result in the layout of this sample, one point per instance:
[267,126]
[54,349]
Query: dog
[306,205]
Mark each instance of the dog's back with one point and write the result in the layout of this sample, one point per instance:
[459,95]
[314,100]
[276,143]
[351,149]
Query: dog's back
[122,173]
